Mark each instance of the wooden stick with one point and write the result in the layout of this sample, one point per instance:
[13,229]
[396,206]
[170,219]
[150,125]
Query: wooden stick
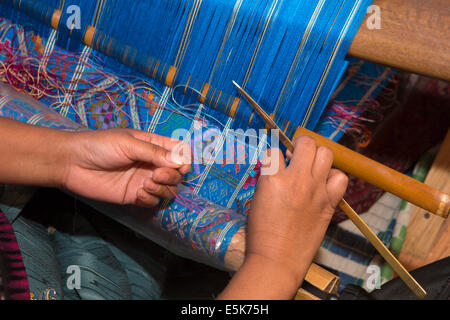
[323,279]
[383,250]
[353,216]
[407,188]
[413,37]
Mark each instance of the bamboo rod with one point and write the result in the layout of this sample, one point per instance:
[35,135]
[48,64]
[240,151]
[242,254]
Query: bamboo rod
[383,250]
[413,37]
[352,215]
[383,177]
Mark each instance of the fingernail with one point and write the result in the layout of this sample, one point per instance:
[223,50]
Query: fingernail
[176,158]
[181,154]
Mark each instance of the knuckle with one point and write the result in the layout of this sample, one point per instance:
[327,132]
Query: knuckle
[325,153]
[305,141]
[172,176]
[164,175]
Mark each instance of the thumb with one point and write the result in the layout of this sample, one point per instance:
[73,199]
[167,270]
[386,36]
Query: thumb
[336,186]
[142,151]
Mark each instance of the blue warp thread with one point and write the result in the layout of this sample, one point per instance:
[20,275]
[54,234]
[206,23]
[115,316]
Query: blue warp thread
[289,54]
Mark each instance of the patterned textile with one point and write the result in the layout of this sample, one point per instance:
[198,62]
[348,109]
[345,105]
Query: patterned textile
[106,273]
[137,106]
[13,277]
[414,127]
[227,184]
[48,255]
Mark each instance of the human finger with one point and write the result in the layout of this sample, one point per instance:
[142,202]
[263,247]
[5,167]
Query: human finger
[141,151]
[167,176]
[322,163]
[159,140]
[305,149]
[159,190]
[336,186]
[145,199]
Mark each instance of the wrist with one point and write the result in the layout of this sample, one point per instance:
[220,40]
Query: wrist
[260,278]
[291,276]
[293,266]
[61,147]
[32,155]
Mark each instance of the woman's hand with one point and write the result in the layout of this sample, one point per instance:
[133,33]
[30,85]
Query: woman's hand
[119,166]
[288,218]
[125,166]
[292,209]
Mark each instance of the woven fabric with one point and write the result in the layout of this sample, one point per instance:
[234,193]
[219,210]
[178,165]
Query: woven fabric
[227,186]
[13,276]
[35,260]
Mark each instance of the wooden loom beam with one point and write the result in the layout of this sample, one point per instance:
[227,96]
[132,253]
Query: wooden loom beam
[414,37]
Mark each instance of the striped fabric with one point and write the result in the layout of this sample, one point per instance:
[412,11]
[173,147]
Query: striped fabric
[13,277]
